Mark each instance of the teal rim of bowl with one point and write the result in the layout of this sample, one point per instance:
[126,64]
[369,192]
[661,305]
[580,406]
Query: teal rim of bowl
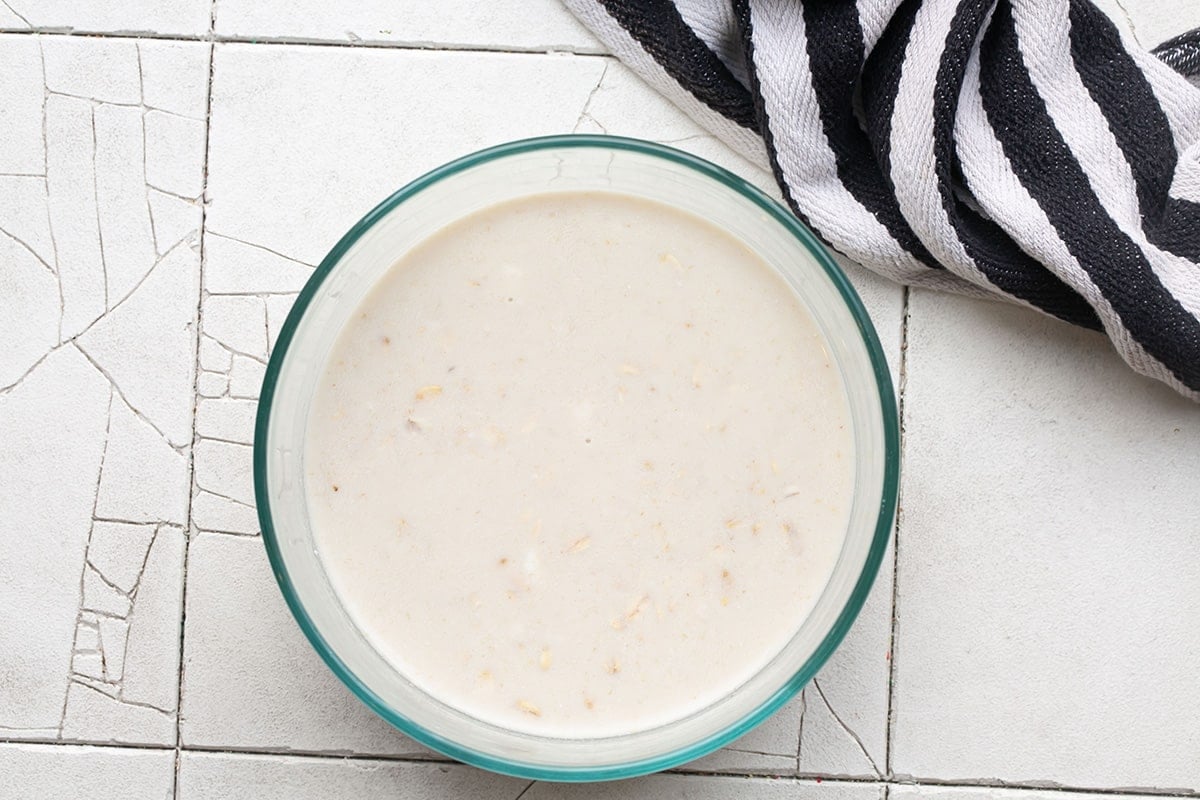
[883,526]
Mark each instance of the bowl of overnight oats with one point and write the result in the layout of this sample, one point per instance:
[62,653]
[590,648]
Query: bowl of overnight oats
[576,458]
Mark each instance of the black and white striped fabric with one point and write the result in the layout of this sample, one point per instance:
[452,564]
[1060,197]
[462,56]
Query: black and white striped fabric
[1020,148]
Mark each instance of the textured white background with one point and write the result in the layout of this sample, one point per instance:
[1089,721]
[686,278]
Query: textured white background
[166,185]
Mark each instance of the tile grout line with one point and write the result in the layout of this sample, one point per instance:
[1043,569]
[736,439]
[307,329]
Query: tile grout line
[189,525]
[215,38]
[902,379]
[807,778]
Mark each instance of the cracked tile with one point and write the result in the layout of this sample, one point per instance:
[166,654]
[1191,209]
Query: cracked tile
[19,196]
[93,715]
[146,345]
[1045,557]
[769,749]
[246,377]
[183,17]
[278,307]
[145,479]
[175,76]
[87,638]
[845,721]
[99,420]
[237,267]
[620,103]
[111,641]
[225,469]
[29,309]
[252,680]
[238,323]
[74,220]
[118,552]
[214,357]
[172,218]
[54,441]
[211,384]
[88,664]
[228,419]
[101,596]
[127,690]
[170,141]
[211,512]
[508,24]
[50,772]
[151,663]
[87,68]
[126,238]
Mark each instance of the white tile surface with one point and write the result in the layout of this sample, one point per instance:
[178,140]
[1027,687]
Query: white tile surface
[95,402]
[1048,584]
[902,792]
[49,772]
[501,24]
[184,17]
[219,776]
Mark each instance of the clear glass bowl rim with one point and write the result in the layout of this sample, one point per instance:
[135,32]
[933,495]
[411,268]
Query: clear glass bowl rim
[887,505]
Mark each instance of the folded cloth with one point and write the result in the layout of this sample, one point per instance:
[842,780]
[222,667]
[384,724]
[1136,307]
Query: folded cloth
[1027,149]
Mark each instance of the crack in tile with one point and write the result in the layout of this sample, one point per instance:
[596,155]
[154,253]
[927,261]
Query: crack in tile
[100,614]
[894,621]
[695,137]
[223,440]
[800,727]
[176,195]
[224,532]
[7,389]
[522,793]
[162,523]
[103,579]
[587,104]
[847,729]
[16,13]
[1125,11]
[234,351]
[201,487]
[96,199]
[62,304]
[755,752]
[10,387]
[261,295]
[260,247]
[137,584]
[62,719]
[145,168]
[92,685]
[136,412]
[103,687]
[32,252]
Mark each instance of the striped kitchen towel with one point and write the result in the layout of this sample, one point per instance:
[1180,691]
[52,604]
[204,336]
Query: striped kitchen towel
[1022,148]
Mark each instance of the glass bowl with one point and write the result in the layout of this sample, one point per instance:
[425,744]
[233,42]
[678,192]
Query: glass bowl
[569,164]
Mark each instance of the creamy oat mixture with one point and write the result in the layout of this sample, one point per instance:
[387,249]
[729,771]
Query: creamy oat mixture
[580,464]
